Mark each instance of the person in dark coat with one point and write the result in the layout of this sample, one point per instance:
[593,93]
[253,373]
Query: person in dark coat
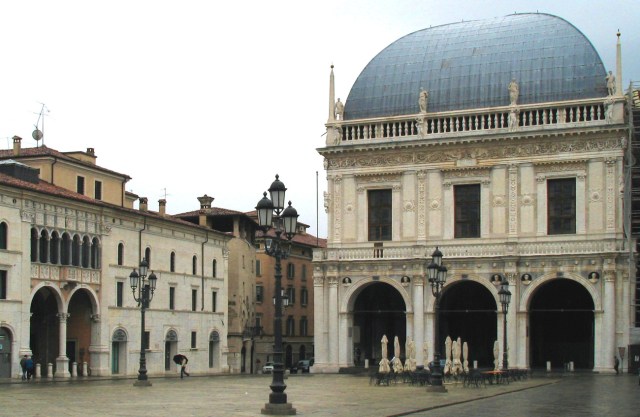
[23,366]
[29,365]
[616,364]
[181,360]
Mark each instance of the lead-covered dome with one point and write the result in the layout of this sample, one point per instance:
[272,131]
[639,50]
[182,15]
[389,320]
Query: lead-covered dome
[470,64]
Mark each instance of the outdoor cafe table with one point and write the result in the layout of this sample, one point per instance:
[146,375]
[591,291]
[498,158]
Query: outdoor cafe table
[497,377]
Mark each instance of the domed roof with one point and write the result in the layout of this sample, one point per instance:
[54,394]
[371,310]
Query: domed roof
[470,64]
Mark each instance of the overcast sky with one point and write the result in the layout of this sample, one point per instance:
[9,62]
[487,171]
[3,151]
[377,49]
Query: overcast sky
[205,97]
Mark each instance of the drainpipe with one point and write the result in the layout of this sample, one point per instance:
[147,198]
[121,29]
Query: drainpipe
[55,161]
[202,270]
[140,240]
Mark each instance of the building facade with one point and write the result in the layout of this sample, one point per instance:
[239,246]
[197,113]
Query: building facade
[70,240]
[297,320]
[241,230]
[503,143]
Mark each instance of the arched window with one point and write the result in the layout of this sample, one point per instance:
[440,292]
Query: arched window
[34,244]
[54,248]
[65,249]
[120,254]
[86,252]
[147,256]
[172,262]
[95,253]
[214,269]
[44,247]
[3,235]
[76,246]
[194,265]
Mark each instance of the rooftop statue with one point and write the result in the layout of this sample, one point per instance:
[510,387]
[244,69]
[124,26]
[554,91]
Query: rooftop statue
[611,83]
[514,91]
[423,100]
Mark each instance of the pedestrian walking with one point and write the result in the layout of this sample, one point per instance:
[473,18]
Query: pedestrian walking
[29,365]
[181,360]
[616,364]
[23,366]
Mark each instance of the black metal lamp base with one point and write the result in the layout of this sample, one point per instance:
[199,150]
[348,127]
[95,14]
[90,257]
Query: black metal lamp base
[142,383]
[278,409]
[436,388]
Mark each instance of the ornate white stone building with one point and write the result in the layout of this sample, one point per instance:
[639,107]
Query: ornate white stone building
[502,142]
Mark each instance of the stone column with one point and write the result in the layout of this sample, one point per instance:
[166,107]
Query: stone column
[418,317]
[448,201]
[605,360]
[62,362]
[542,205]
[320,336]
[333,322]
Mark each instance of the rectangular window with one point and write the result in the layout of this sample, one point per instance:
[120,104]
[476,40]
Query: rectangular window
[259,293]
[194,299]
[193,340]
[80,185]
[291,293]
[3,285]
[258,268]
[147,340]
[561,206]
[303,326]
[304,273]
[172,298]
[379,214]
[304,296]
[98,190]
[290,326]
[467,210]
[119,292]
[214,301]
[291,270]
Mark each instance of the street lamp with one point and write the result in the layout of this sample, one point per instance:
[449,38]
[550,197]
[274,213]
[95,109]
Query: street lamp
[146,287]
[505,298]
[437,274]
[272,214]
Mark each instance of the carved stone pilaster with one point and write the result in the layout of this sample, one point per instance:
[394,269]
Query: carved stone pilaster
[333,281]
[318,281]
[63,317]
[422,191]
[513,199]
[610,184]
[95,318]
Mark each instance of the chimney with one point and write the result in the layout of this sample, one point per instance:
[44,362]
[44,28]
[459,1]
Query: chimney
[91,151]
[144,206]
[162,203]
[205,202]
[16,145]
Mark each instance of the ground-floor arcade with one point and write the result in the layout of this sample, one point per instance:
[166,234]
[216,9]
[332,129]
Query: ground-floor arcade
[62,329]
[556,318]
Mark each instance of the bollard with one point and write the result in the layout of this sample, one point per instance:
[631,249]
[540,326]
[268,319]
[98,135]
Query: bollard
[475,364]
[548,366]
[366,364]
[571,366]
[38,371]
[85,369]
[50,370]
[74,369]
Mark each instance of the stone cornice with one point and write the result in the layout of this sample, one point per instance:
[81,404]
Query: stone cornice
[480,151]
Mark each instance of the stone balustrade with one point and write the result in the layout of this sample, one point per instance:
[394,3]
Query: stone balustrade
[471,250]
[475,121]
[48,272]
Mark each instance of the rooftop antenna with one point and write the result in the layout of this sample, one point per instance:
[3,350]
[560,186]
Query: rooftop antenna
[38,133]
[164,192]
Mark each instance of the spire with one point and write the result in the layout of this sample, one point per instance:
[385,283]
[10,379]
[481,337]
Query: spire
[619,66]
[332,98]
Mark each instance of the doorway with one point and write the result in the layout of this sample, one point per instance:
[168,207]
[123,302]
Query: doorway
[561,321]
[379,310]
[468,311]
[5,353]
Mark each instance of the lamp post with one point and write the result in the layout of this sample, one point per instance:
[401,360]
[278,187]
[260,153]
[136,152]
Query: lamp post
[505,298]
[146,287]
[437,274]
[272,214]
